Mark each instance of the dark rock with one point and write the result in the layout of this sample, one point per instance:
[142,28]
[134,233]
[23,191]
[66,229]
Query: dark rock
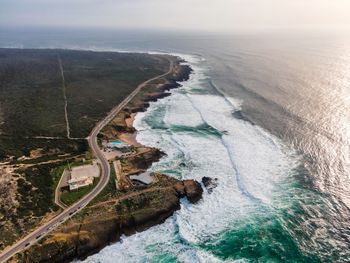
[169,85]
[180,189]
[182,74]
[193,190]
[105,226]
[157,96]
[209,183]
[145,160]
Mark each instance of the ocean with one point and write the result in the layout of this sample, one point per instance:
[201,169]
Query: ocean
[267,114]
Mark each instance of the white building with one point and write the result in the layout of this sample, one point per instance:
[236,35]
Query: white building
[84,175]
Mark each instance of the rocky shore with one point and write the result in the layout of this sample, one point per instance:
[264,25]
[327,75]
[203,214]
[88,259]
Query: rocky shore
[130,208]
[104,223]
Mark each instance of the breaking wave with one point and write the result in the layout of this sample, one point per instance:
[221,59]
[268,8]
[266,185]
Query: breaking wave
[198,130]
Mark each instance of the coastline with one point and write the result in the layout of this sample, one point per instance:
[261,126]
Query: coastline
[89,233]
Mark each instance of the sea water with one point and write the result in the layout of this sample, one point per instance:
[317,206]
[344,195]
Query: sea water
[265,114]
[242,218]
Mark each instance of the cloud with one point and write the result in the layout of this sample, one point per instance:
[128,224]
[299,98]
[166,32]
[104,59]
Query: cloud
[171,14]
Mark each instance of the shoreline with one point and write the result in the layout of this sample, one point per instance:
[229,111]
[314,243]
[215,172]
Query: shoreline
[153,204]
[123,124]
[130,138]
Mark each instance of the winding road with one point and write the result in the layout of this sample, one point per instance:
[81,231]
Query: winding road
[43,230]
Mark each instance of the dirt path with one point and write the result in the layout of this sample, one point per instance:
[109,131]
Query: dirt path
[129,195]
[64,97]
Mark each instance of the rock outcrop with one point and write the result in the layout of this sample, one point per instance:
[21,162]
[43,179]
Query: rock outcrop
[189,188]
[101,225]
[209,183]
[193,191]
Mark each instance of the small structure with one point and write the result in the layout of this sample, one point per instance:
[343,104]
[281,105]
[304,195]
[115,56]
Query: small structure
[145,178]
[122,182]
[76,183]
[84,175]
[117,145]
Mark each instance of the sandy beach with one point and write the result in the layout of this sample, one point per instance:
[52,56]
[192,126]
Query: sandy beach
[127,137]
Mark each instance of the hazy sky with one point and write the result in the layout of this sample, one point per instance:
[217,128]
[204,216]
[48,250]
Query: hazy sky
[175,14]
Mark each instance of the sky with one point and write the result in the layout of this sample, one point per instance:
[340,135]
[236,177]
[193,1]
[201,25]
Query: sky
[207,15]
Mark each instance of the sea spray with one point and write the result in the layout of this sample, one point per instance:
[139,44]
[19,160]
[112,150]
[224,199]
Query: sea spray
[201,136]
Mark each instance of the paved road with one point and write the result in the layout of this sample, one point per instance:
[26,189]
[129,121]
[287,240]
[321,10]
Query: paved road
[104,178]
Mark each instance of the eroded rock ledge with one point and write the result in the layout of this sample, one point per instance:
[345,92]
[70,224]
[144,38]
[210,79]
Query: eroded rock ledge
[104,223]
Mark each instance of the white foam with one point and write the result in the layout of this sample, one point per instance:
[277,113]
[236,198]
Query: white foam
[157,243]
[247,161]
[180,104]
[154,245]
[258,161]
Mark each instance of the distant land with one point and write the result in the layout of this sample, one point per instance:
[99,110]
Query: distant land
[50,100]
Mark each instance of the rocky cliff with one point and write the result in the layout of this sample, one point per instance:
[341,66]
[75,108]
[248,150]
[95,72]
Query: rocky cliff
[103,224]
[127,211]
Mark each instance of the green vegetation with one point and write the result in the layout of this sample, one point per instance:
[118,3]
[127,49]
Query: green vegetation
[104,79]
[58,171]
[32,121]
[141,202]
[13,145]
[56,174]
[70,197]
[42,159]
[35,193]
[31,92]
[109,189]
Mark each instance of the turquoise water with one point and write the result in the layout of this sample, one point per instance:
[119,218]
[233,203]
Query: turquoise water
[266,114]
[256,214]
[116,143]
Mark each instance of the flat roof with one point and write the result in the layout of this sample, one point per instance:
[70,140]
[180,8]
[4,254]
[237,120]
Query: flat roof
[145,177]
[89,170]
